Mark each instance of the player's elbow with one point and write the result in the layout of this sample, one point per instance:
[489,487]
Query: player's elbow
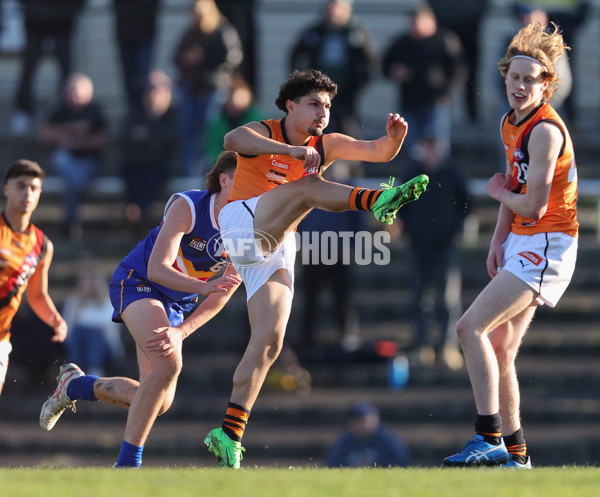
[153,272]
[230,141]
[536,212]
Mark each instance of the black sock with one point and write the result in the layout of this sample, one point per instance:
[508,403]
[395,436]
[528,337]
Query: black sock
[516,445]
[489,427]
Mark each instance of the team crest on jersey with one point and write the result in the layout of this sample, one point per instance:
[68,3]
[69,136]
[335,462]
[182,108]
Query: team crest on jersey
[198,243]
[518,154]
[531,257]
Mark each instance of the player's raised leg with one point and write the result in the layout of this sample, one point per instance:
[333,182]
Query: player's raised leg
[292,201]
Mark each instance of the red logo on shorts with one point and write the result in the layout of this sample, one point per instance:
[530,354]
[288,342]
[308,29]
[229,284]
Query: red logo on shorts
[531,257]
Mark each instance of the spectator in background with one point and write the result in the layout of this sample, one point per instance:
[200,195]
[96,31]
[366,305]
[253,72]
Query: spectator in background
[94,341]
[135,29]
[341,48]
[433,229]
[77,131]
[428,66]
[242,14]
[238,108]
[367,443]
[48,28]
[464,18]
[336,276]
[149,144]
[207,55]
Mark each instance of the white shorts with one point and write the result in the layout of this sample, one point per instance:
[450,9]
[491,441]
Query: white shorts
[545,261]
[5,349]
[236,222]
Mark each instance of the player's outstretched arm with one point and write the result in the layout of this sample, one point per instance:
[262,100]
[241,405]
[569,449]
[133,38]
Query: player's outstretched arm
[384,149]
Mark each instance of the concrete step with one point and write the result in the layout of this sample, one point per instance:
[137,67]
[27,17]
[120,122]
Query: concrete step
[288,429]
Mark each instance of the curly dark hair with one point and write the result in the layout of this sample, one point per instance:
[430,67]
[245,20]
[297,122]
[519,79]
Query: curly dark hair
[302,83]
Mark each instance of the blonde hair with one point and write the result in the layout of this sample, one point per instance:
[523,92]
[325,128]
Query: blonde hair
[543,45]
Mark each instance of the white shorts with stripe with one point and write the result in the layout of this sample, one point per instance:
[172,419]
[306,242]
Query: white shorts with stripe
[236,224]
[545,261]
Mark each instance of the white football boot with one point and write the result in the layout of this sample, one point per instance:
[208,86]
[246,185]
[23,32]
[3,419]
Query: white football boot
[55,405]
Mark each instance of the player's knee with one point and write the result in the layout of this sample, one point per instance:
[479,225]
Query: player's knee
[273,348]
[309,184]
[169,367]
[463,331]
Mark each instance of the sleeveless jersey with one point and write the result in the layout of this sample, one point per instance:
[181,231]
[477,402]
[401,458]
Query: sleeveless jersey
[257,174]
[201,254]
[561,214]
[27,250]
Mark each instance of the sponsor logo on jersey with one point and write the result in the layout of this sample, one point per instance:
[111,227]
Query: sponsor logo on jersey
[198,244]
[275,176]
[518,154]
[531,257]
[278,164]
[143,288]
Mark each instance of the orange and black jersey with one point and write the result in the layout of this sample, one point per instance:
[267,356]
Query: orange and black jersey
[561,214]
[26,251]
[257,174]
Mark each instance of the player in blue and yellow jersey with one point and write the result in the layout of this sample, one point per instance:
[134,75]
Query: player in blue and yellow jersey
[151,289]
[533,250]
[25,257]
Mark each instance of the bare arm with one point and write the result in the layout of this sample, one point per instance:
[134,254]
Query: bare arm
[544,148]
[178,221]
[496,252]
[383,149]
[253,139]
[39,300]
[165,340]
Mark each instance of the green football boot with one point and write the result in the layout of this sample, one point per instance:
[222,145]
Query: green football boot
[227,451]
[391,199]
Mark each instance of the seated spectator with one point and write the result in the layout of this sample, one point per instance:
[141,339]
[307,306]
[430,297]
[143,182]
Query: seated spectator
[239,108]
[77,131]
[367,443]
[94,341]
[149,146]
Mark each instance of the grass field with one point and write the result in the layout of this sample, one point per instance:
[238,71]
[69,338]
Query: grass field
[299,482]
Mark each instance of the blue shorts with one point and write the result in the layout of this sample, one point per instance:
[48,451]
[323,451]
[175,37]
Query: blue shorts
[127,286]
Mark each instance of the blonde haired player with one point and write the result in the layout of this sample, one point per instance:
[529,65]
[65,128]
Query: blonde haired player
[533,250]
